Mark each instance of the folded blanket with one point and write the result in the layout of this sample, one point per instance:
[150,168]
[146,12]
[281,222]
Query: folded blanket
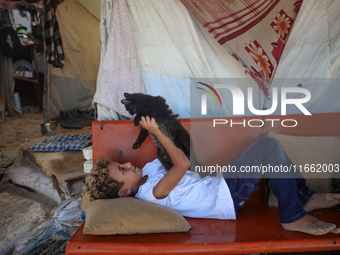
[62,143]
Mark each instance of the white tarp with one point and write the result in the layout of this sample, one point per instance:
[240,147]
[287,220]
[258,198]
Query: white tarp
[172,48]
[311,56]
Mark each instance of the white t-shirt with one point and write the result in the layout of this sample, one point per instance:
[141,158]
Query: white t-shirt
[195,197]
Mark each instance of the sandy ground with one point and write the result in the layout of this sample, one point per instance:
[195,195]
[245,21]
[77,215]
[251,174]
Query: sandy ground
[13,132]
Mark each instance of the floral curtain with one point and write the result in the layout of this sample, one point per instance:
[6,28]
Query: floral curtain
[253,31]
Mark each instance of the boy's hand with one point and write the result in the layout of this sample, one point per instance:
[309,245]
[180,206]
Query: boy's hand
[180,161]
[149,124]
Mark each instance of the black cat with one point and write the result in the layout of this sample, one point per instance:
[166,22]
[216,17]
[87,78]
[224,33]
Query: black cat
[155,107]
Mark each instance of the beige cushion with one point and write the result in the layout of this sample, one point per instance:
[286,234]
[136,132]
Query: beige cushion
[130,216]
[308,150]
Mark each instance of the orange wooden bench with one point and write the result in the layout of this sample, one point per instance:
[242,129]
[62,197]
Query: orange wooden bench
[257,228]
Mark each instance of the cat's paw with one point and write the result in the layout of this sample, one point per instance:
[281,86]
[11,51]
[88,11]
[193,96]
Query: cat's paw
[136,121]
[136,145]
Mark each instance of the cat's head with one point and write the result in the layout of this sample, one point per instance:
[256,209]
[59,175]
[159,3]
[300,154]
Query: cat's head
[141,103]
[129,104]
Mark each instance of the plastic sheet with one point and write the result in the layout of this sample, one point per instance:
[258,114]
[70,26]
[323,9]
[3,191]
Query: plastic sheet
[66,218]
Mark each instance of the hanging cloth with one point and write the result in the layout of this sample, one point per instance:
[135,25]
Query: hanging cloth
[54,45]
[253,31]
[119,69]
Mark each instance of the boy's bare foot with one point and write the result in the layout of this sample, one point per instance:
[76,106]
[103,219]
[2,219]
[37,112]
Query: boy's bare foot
[311,225]
[322,200]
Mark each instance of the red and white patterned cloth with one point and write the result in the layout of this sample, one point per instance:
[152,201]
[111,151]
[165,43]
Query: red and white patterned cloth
[253,31]
[119,70]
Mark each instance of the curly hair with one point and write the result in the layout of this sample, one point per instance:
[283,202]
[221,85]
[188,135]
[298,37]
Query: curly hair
[98,184]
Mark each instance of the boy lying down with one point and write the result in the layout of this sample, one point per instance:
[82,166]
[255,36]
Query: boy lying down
[213,197]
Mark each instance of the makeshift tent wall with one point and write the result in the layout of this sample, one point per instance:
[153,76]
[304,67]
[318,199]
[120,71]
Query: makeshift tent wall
[173,47]
[73,86]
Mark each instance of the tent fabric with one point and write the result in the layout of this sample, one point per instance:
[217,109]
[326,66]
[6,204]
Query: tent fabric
[105,113]
[171,50]
[73,86]
[311,56]
[92,6]
[166,39]
[173,47]
[313,48]
[308,59]
[179,86]
[119,69]
[254,32]
[333,8]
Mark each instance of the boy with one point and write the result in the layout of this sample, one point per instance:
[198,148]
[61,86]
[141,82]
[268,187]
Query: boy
[207,197]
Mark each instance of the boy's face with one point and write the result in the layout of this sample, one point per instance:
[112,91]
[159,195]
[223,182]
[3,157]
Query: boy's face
[127,173]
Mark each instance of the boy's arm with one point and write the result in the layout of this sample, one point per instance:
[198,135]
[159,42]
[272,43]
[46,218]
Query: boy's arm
[180,161]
